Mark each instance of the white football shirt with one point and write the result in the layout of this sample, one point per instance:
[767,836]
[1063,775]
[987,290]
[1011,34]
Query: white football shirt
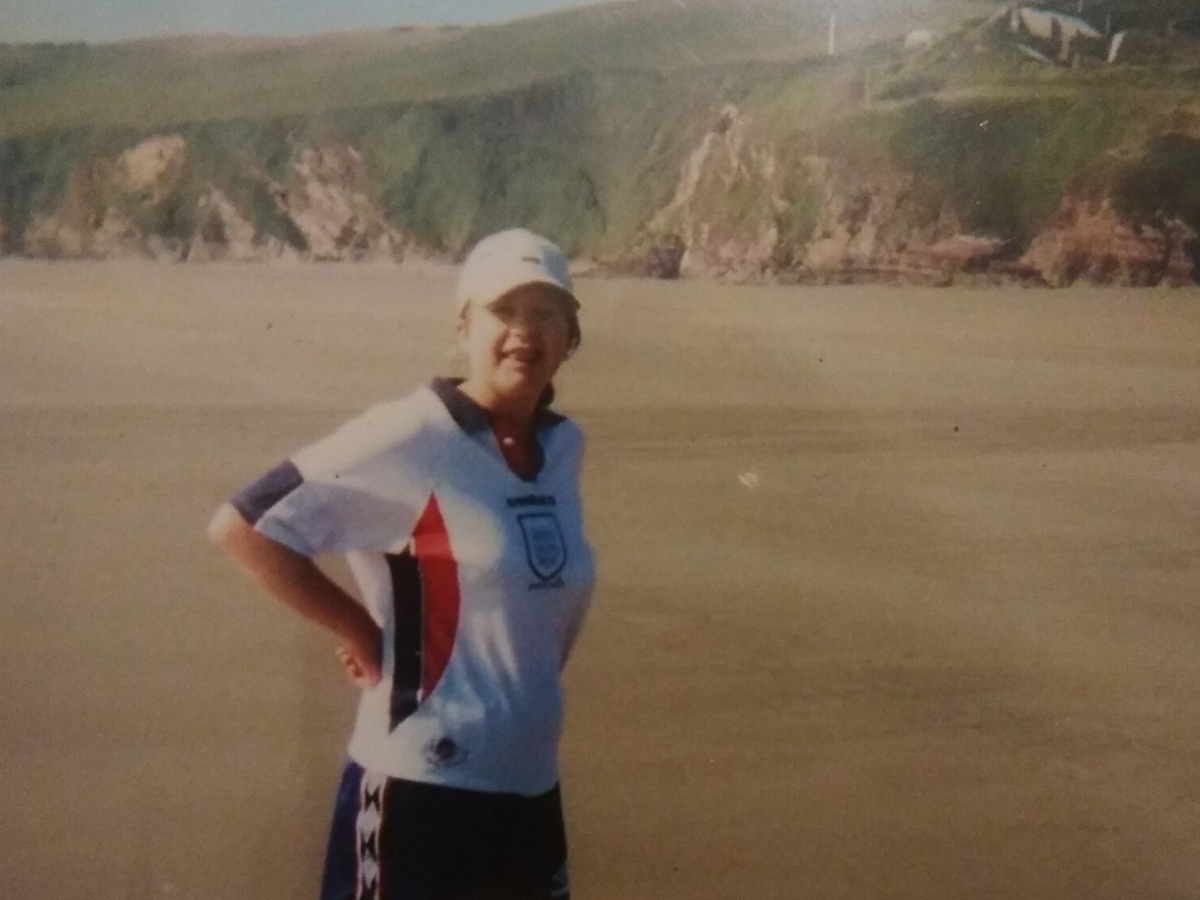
[479,579]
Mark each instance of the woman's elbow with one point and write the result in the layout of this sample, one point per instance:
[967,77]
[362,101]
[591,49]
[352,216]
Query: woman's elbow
[224,525]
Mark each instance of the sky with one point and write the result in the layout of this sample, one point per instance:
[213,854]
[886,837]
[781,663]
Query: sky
[24,21]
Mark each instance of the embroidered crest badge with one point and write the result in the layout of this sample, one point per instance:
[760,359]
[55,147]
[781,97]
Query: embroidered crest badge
[545,548]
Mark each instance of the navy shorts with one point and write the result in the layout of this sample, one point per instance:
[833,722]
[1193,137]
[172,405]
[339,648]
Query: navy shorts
[393,839]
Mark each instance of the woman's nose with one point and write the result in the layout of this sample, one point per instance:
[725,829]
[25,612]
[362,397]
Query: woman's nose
[524,322]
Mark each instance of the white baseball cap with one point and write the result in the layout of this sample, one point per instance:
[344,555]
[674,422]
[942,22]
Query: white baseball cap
[509,259]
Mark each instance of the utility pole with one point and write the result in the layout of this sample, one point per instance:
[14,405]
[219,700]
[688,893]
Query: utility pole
[833,33]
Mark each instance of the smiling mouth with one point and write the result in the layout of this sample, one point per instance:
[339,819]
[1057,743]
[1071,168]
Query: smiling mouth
[524,357]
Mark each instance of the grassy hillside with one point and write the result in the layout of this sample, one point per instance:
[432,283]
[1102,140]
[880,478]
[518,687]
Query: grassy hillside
[582,123]
[575,121]
[158,84]
[1000,136]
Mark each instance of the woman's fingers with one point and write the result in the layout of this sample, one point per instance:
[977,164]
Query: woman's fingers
[350,664]
[363,673]
[367,651]
[368,670]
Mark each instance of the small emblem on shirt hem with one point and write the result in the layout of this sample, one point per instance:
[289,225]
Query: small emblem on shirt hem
[444,752]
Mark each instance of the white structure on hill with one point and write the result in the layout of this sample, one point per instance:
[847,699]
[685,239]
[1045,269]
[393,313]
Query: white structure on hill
[1046,24]
[1049,35]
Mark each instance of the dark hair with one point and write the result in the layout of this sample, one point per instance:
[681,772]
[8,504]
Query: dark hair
[574,339]
[574,335]
[545,399]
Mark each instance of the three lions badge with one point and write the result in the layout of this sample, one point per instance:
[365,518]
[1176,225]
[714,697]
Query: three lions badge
[545,548]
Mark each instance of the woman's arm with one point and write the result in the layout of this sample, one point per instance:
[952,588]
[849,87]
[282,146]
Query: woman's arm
[297,582]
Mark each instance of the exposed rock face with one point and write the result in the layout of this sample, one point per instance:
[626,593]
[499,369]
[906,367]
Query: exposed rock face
[67,230]
[223,233]
[865,228]
[742,209]
[138,205]
[156,166]
[963,253]
[107,209]
[739,212]
[654,256]
[723,212]
[1089,241]
[117,237]
[329,200]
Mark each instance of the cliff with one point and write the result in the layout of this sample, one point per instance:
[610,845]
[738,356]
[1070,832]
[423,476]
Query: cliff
[703,139]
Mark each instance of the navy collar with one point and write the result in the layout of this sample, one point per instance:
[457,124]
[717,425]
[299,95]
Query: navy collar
[471,417]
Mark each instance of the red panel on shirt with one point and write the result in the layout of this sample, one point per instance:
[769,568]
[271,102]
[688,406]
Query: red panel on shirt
[439,577]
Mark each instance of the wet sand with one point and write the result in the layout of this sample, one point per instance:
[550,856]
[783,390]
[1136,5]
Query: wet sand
[898,588]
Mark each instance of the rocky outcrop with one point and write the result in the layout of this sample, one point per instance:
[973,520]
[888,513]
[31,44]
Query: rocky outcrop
[743,211]
[968,253]
[721,220]
[147,203]
[1089,241]
[68,228]
[746,211]
[653,256]
[328,198]
[112,209]
[867,228]
[223,233]
[155,166]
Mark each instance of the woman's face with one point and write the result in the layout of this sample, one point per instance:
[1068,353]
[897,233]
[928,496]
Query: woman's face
[516,343]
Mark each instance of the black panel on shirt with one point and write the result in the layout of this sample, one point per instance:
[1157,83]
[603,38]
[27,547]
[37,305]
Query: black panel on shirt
[255,499]
[407,603]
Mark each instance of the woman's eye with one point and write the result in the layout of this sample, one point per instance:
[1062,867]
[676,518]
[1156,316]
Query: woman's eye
[532,313]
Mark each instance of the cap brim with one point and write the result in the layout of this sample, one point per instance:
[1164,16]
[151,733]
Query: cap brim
[534,279]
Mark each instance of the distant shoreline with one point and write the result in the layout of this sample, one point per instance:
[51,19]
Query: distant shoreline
[586,270]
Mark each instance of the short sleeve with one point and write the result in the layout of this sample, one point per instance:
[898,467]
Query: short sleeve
[360,488]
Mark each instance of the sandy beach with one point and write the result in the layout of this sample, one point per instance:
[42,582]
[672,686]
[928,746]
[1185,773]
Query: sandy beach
[898,588]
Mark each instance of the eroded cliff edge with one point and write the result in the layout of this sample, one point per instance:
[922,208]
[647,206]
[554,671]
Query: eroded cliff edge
[949,159]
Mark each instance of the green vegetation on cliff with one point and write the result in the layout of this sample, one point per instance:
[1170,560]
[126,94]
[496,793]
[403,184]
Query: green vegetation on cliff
[584,124]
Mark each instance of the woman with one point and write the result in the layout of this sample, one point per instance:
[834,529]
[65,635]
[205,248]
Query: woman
[458,510]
